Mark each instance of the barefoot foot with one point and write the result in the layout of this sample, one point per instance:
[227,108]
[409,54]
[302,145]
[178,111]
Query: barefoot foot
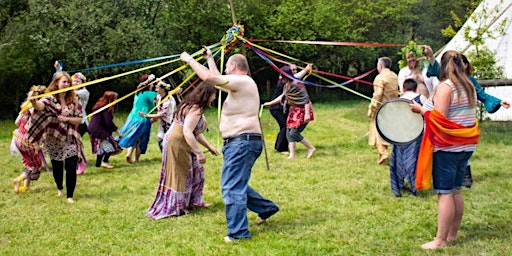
[70,200]
[433,245]
[59,192]
[16,183]
[310,152]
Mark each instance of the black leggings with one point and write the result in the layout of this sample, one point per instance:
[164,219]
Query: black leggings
[58,172]
[100,158]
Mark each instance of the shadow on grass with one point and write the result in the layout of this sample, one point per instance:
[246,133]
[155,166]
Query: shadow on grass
[487,231]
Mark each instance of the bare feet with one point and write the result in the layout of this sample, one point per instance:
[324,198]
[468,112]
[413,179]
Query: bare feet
[382,159]
[59,192]
[284,153]
[433,245]
[16,183]
[129,159]
[291,156]
[70,200]
[260,221]
[451,239]
[107,165]
[310,152]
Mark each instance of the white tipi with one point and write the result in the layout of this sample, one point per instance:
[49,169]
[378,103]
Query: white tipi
[501,45]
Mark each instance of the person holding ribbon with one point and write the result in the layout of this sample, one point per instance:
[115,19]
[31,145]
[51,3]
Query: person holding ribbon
[301,108]
[243,143]
[137,130]
[166,106]
[450,138]
[182,175]
[280,113]
[56,119]
[30,152]
[100,130]
[83,95]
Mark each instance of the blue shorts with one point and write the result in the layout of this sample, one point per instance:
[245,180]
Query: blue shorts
[448,170]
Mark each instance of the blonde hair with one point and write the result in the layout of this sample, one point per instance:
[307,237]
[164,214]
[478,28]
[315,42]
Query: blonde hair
[34,91]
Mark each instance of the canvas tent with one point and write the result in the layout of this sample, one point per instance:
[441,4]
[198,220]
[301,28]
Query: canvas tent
[485,16]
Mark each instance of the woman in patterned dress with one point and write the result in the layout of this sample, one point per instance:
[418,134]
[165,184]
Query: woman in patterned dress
[30,153]
[182,175]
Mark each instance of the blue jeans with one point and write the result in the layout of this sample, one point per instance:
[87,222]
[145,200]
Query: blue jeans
[238,196]
[448,170]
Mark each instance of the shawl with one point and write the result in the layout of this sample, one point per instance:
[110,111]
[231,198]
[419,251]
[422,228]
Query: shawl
[46,122]
[296,94]
[441,132]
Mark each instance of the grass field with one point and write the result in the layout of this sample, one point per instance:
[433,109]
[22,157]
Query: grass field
[337,203]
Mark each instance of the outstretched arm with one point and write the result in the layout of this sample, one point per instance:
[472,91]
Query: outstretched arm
[204,73]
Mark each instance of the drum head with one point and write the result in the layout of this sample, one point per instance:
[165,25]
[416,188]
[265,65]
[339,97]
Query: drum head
[397,124]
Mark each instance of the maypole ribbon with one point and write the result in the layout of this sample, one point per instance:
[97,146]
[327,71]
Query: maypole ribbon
[126,63]
[356,79]
[25,106]
[258,52]
[330,43]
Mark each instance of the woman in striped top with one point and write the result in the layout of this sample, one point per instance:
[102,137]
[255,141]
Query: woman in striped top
[450,138]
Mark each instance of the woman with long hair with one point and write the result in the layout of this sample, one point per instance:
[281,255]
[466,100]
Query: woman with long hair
[300,112]
[450,138]
[57,118]
[101,128]
[182,175]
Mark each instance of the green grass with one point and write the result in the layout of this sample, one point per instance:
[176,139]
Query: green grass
[337,203]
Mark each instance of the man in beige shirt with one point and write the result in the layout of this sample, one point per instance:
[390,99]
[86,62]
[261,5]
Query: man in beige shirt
[240,129]
[385,88]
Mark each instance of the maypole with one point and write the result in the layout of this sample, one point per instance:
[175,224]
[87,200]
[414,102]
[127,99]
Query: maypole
[232,11]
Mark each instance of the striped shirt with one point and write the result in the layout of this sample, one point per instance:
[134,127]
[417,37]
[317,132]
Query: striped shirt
[459,112]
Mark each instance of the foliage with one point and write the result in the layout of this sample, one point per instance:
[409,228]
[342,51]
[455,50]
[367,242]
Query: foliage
[413,49]
[337,203]
[484,64]
[483,60]
[88,34]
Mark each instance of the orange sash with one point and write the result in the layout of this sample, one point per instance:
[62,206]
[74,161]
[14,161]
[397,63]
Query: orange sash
[441,132]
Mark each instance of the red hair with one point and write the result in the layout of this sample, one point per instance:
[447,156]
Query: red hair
[107,98]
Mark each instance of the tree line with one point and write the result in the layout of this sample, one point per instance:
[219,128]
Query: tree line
[33,34]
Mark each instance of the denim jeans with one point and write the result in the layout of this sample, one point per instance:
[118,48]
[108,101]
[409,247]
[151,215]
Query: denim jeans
[238,196]
[448,170]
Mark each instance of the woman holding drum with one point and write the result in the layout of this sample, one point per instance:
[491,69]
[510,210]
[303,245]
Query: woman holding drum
[451,135]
